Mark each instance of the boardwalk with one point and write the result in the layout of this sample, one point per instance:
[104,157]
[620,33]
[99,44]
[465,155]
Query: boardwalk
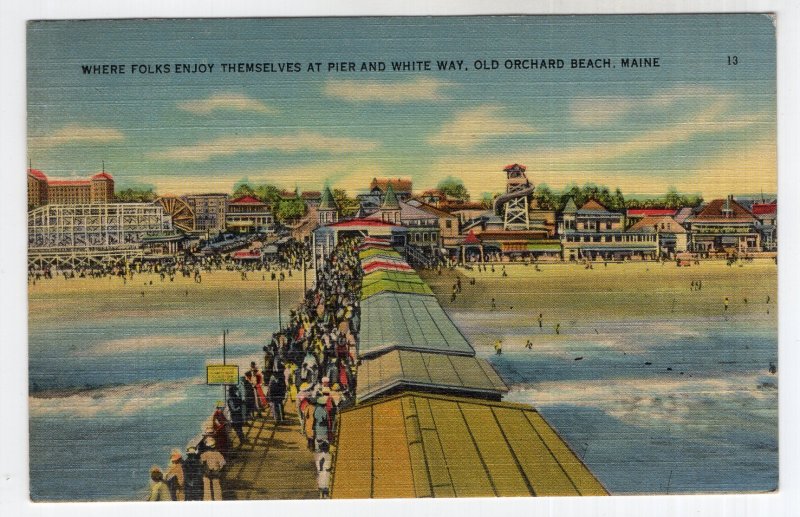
[274,464]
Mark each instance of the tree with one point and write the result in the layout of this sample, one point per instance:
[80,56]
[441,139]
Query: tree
[672,199]
[487,199]
[289,209]
[544,197]
[348,206]
[136,195]
[243,189]
[267,193]
[454,188]
[617,203]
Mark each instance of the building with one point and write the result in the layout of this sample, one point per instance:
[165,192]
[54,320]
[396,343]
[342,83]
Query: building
[634,215]
[423,226]
[672,237]
[378,187]
[723,226]
[209,211]
[42,190]
[448,223]
[767,215]
[247,214]
[593,232]
[327,211]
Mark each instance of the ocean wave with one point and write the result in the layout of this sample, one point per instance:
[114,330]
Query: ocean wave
[119,400]
[200,342]
[672,401]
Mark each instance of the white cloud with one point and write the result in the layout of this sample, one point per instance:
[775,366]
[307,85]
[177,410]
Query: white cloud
[227,102]
[230,145]
[420,89]
[477,125]
[77,134]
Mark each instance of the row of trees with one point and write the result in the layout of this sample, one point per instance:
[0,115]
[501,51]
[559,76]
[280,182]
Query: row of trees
[614,201]
[454,188]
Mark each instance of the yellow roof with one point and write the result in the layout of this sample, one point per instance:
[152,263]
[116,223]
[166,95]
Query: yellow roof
[455,374]
[423,445]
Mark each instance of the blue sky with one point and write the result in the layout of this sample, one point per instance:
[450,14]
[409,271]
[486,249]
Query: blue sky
[695,123]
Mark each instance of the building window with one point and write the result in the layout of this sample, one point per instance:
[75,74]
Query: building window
[448,224]
[608,225]
[608,238]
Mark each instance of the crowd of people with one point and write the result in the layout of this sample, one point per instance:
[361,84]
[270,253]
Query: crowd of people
[308,368]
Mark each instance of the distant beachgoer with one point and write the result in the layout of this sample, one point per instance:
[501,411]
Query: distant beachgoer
[498,347]
[726,302]
[193,475]
[540,320]
[529,345]
[158,489]
[494,305]
[175,477]
[767,298]
[558,328]
[213,463]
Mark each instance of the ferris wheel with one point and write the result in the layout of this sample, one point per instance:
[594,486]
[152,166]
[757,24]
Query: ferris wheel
[181,213]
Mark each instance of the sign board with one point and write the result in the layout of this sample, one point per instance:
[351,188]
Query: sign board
[222,374]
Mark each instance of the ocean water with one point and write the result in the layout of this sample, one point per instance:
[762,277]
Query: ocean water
[651,406]
[109,398]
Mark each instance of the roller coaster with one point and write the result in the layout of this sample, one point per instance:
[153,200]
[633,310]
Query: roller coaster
[513,205]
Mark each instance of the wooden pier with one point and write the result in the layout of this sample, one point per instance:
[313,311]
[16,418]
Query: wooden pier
[274,463]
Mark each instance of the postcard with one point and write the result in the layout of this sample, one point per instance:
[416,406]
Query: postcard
[402,257]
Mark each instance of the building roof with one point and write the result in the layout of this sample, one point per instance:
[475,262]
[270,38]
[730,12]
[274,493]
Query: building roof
[471,238]
[723,210]
[593,207]
[354,223]
[327,202]
[432,210]
[665,224]
[246,200]
[650,212]
[570,207]
[381,263]
[36,173]
[397,184]
[406,321]
[68,183]
[424,445]
[514,166]
[683,214]
[379,252]
[103,176]
[765,208]
[419,370]
[381,281]
[390,200]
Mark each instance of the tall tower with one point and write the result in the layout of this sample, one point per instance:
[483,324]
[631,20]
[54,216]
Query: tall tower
[515,201]
[390,209]
[327,212]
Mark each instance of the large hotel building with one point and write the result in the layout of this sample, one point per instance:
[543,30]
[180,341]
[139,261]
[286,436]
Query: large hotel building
[43,190]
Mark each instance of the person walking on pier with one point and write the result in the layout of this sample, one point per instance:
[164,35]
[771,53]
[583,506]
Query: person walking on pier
[249,396]
[236,407]
[193,475]
[158,489]
[277,392]
[220,428]
[176,480]
[213,463]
